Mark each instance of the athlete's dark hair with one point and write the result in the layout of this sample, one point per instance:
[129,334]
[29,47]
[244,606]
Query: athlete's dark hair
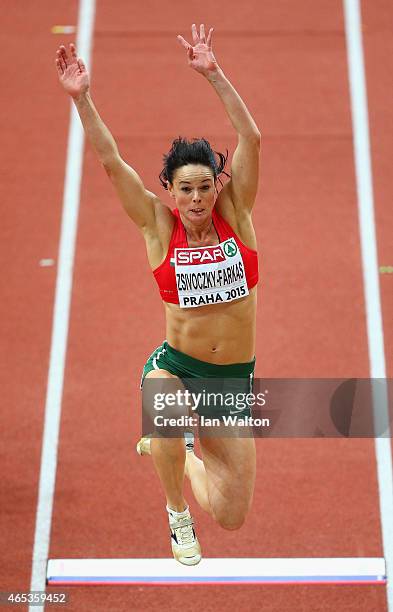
[197,151]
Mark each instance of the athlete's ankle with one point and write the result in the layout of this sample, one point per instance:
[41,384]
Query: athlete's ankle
[177,508]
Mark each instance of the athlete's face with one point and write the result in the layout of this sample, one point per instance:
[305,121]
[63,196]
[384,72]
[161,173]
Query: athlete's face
[193,189]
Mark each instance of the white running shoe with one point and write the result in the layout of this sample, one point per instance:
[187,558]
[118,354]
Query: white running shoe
[143,446]
[185,545]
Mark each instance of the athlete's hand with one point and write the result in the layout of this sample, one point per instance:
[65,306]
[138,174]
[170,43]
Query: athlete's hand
[200,56]
[71,71]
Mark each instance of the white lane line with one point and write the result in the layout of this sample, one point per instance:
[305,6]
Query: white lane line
[360,125]
[60,322]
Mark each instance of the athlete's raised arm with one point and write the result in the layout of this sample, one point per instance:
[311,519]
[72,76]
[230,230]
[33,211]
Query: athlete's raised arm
[242,188]
[139,203]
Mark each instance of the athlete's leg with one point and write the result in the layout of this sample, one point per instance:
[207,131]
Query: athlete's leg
[196,472]
[230,465]
[170,458]
[222,483]
[168,454]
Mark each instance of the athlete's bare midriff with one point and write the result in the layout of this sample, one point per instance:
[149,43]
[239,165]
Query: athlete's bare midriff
[217,333]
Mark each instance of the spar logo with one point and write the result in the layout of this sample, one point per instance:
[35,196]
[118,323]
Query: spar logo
[203,255]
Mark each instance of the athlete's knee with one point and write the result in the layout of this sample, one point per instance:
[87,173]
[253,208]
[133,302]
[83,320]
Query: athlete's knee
[230,521]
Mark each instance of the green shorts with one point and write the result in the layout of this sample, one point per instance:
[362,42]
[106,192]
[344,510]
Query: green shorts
[235,379]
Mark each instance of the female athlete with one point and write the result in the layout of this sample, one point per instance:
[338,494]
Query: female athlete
[203,256]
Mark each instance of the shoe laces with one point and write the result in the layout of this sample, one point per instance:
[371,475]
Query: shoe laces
[184,531]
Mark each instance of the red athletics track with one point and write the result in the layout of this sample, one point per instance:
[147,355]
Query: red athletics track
[288,61]
[33,131]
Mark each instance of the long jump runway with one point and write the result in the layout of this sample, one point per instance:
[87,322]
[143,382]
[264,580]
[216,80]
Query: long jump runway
[313,498]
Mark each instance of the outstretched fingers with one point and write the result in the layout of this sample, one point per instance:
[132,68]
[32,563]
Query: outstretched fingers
[60,63]
[195,36]
[201,39]
[183,42]
[73,51]
[63,55]
[81,65]
[187,46]
[59,67]
[209,38]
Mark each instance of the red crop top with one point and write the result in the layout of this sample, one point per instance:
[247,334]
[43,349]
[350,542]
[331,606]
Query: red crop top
[204,275]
